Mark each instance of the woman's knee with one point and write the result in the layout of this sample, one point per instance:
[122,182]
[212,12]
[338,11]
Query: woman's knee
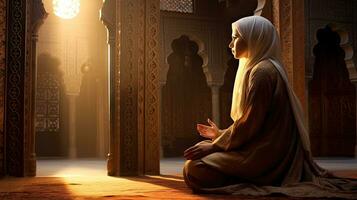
[198,173]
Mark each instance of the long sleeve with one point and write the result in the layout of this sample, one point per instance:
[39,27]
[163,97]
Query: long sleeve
[259,92]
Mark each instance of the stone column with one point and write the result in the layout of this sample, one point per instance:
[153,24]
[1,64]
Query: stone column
[30,162]
[72,152]
[215,79]
[73,85]
[108,17]
[215,104]
[100,119]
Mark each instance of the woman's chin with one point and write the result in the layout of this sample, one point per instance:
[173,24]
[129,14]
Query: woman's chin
[237,56]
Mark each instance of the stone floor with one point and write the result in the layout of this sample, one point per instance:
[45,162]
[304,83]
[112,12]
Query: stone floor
[86,179]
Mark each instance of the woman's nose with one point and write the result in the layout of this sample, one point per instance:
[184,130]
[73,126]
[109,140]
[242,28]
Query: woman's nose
[230,44]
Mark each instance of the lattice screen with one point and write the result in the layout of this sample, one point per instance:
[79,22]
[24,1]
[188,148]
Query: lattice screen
[47,103]
[183,6]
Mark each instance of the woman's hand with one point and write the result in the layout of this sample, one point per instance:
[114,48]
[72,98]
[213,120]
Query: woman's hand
[210,132]
[200,150]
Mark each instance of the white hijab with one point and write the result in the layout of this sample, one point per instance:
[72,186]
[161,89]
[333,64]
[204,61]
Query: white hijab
[263,44]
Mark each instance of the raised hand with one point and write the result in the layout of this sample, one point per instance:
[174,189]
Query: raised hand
[210,132]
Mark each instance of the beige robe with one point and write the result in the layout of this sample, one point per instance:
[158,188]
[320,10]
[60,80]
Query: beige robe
[262,150]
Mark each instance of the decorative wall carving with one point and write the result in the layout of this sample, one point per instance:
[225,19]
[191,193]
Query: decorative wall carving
[184,6]
[152,88]
[14,98]
[49,107]
[133,28]
[24,19]
[139,149]
[288,17]
[2,80]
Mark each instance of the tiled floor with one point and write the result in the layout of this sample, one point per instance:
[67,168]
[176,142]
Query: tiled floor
[87,179]
[168,166]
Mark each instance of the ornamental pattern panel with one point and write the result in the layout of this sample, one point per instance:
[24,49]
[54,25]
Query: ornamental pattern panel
[47,103]
[128,89]
[28,92]
[137,50]
[16,56]
[283,21]
[141,83]
[183,6]
[152,135]
[2,79]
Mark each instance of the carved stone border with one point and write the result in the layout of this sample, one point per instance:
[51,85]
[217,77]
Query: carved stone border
[2,81]
[23,19]
[15,80]
[152,88]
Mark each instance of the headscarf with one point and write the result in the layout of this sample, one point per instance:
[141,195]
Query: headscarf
[263,44]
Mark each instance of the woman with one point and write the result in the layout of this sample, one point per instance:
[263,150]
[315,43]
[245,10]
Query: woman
[266,150]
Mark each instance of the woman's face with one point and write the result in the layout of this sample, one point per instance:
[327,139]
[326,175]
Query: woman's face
[238,46]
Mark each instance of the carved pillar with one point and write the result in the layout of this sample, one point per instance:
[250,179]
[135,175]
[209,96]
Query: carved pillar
[215,104]
[114,118]
[37,17]
[288,18]
[24,19]
[152,107]
[108,17]
[14,94]
[139,86]
[2,83]
[215,80]
[133,28]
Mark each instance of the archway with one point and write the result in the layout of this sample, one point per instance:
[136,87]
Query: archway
[332,98]
[186,98]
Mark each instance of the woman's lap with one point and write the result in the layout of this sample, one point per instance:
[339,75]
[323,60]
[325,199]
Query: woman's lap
[197,175]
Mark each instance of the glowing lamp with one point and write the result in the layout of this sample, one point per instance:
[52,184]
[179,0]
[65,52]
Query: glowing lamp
[66,9]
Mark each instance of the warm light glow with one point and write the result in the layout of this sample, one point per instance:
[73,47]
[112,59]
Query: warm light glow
[66,9]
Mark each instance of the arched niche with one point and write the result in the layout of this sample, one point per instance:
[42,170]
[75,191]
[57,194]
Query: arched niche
[202,52]
[205,34]
[186,98]
[332,94]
